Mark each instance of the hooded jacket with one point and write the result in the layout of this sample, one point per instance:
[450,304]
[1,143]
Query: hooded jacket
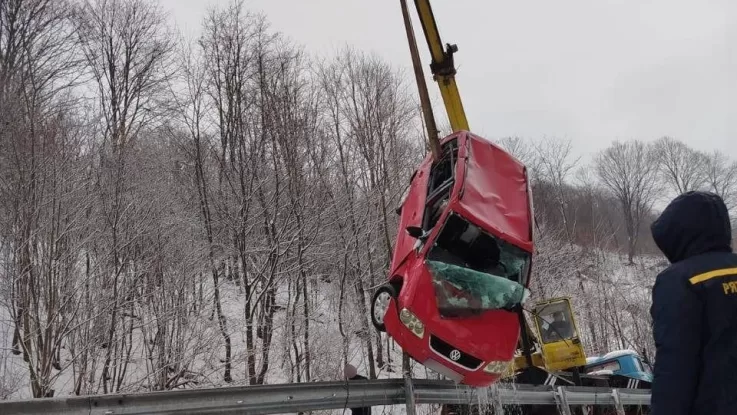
[694,309]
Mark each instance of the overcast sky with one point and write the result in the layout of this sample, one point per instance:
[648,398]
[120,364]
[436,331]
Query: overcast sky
[589,70]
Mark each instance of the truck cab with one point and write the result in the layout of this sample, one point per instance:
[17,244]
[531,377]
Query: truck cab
[626,363]
[558,334]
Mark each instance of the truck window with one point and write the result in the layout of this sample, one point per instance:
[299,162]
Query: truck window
[648,368]
[613,365]
[555,322]
[638,365]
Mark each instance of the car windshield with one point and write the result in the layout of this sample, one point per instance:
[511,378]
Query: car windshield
[473,271]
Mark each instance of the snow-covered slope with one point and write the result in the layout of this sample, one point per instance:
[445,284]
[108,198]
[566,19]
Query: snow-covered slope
[610,300]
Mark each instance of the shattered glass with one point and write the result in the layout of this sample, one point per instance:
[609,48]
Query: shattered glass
[466,245]
[460,288]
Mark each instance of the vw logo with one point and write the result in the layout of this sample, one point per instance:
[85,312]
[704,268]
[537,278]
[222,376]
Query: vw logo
[455,355]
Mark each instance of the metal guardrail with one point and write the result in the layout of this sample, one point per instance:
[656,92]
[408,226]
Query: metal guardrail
[289,398]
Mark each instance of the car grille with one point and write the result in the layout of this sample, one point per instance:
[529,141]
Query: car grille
[451,374]
[449,352]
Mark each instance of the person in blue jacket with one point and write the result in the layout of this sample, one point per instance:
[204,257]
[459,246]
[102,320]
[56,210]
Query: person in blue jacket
[694,309]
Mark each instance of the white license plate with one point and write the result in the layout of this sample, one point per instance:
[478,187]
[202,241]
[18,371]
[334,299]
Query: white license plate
[443,370]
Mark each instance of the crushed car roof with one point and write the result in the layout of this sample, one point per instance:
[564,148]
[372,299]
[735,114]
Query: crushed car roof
[495,192]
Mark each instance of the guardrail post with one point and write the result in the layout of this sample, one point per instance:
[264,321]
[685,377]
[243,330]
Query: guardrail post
[409,391]
[562,401]
[617,402]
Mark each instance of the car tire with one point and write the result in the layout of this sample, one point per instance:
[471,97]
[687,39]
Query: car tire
[380,304]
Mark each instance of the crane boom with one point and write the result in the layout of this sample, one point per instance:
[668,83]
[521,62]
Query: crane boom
[442,67]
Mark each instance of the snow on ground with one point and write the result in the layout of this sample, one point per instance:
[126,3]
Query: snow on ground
[205,348]
[13,374]
[326,360]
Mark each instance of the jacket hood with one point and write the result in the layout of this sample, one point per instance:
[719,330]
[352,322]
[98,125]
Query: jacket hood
[693,223]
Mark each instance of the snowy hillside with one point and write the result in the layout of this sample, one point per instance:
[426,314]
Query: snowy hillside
[611,309]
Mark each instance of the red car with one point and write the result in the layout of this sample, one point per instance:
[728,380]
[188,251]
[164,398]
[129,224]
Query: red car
[461,262]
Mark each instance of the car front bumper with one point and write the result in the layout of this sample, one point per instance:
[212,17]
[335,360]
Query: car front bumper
[421,350]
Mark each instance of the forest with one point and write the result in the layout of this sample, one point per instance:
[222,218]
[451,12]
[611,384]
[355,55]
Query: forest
[179,213]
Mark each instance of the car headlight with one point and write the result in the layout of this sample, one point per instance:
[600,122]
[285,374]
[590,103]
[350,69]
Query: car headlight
[412,322]
[497,367]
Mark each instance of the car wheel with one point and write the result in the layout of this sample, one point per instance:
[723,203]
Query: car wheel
[380,305]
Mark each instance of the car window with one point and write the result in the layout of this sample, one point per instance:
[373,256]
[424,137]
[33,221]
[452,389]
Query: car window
[440,184]
[466,245]
[474,271]
[443,170]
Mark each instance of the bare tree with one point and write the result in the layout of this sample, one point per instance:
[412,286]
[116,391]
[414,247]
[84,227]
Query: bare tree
[172,255]
[555,162]
[721,177]
[522,149]
[596,215]
[628,170]
[369,119]
[252,85]
[127,49]
[287,124]
[681,167]
[38,180]
[192,110]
